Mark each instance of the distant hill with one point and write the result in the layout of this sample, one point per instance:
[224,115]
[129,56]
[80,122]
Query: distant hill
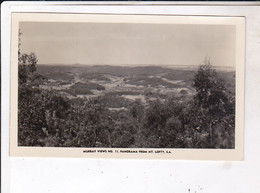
[104,69]
[172,71]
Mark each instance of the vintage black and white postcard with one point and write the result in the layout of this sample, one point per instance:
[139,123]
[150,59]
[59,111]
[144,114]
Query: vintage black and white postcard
[127,86]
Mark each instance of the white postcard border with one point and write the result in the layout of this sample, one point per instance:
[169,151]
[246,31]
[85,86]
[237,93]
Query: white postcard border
[194,154]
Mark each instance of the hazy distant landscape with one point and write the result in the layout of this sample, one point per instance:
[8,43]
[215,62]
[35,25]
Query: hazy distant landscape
[118,86]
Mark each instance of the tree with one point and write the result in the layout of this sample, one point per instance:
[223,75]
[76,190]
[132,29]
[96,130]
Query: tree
[31,106]
[211,97]
[26,64]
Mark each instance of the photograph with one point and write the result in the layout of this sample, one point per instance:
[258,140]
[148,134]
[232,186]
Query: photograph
[129,82]
[135,96]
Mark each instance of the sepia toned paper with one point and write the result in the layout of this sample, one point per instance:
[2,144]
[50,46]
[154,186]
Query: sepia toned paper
[87,41]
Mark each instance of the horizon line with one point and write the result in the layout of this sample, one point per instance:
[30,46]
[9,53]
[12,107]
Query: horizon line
[134,65]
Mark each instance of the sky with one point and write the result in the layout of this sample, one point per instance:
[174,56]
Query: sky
[128,44]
